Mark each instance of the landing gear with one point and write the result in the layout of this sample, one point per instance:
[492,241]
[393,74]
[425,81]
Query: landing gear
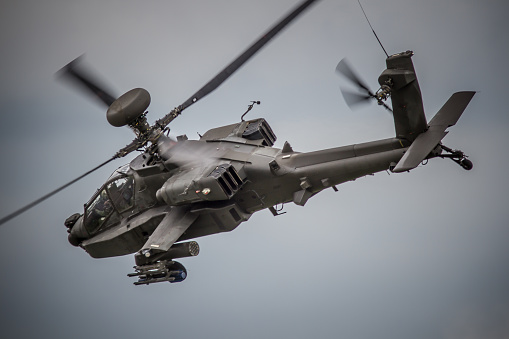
[466,164]
[457,156]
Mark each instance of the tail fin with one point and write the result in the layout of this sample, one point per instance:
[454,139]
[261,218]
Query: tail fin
[446,117]
[408,110]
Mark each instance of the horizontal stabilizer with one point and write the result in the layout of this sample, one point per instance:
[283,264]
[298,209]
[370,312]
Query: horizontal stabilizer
[450,113]
[446,117]
[419,150]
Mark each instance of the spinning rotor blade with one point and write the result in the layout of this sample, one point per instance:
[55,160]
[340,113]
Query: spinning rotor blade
[344,68]
[87,81]
[50,194]
[235,64]
[384,105]
[354,99]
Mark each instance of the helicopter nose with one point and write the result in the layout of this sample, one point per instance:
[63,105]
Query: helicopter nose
[76,229]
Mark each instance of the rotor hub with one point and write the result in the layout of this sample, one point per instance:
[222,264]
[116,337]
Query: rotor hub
[128,107]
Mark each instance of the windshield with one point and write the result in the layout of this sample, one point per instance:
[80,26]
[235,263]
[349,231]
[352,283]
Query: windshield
[113,198]
[121,193]
[121,171]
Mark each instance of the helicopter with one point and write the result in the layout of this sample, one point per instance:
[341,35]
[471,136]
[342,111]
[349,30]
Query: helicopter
[179,190]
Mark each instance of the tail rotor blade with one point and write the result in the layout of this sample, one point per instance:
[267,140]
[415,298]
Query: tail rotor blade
[344,69]
[354,99]
[384,105]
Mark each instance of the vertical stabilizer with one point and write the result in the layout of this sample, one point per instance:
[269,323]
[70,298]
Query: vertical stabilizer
[408,110]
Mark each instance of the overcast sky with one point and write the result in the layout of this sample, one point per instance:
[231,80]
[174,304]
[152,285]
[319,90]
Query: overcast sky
[413,255]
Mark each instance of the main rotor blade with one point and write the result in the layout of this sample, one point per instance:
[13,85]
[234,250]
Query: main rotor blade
[235,64]
[344,68]
[50,194]
[87,81]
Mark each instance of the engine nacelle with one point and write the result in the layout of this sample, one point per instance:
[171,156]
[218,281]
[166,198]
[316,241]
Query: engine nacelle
[252,132]
[219,183]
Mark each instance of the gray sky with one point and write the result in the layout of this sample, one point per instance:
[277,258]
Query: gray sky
[414,255]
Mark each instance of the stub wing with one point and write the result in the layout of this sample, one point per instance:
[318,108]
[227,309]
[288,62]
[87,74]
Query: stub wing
[446,117]
[173,225]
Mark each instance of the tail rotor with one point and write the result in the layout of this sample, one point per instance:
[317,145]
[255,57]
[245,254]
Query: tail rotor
[363,94]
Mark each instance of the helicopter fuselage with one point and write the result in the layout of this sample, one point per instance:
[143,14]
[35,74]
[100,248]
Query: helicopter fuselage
[177,191]
[223,178]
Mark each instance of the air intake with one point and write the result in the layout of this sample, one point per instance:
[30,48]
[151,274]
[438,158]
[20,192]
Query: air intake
[228,179]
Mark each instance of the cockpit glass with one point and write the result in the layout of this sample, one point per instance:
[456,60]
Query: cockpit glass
[121,193]
[98,211]
[121,171]
[115,197]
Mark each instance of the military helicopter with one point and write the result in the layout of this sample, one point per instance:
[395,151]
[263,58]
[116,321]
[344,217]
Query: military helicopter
[179,190]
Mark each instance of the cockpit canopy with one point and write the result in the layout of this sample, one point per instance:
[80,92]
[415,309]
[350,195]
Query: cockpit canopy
[111,200]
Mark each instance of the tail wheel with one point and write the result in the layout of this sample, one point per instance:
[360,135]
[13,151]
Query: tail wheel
[466,164]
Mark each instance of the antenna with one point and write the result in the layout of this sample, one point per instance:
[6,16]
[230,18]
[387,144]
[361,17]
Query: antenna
[376,36]
[249,108]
